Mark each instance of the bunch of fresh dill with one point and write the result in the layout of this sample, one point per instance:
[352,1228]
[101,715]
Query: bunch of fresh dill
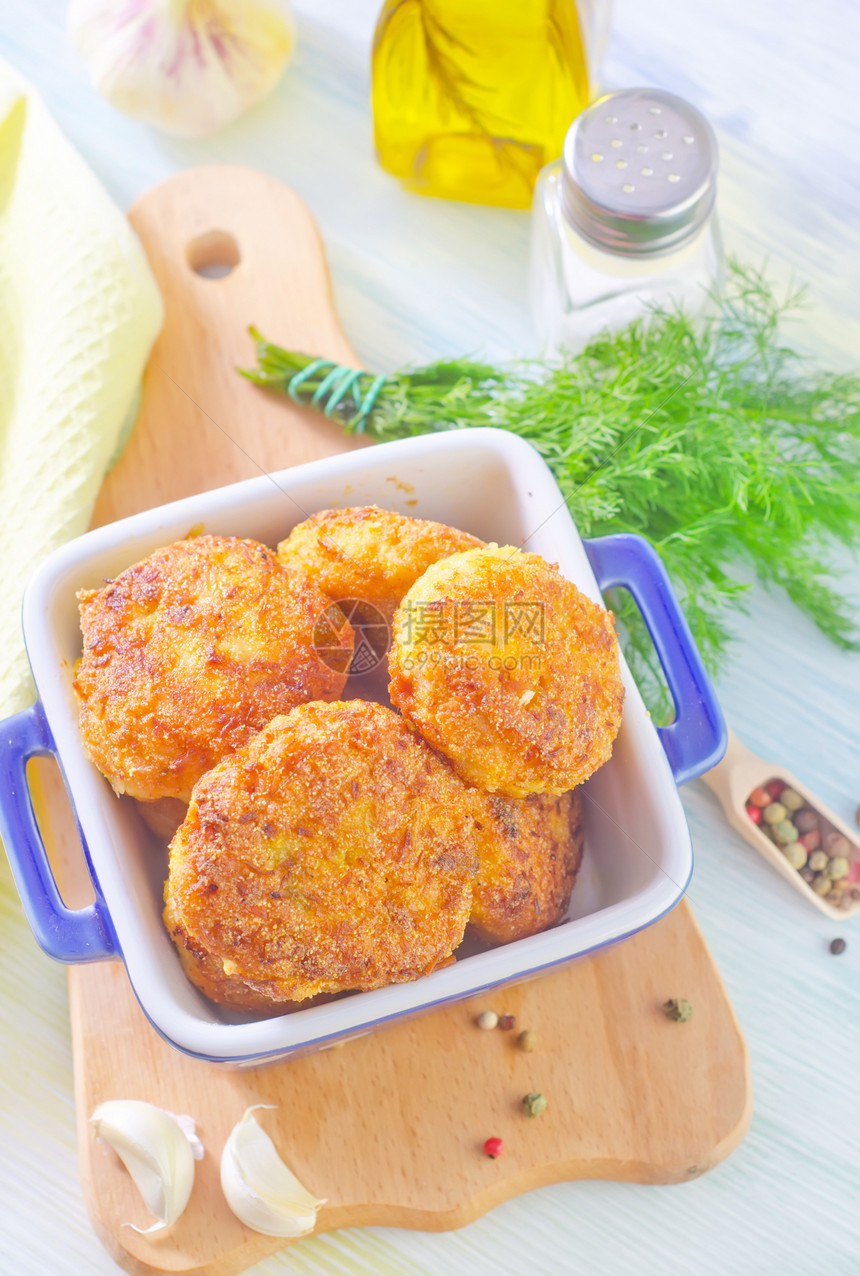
[713,440]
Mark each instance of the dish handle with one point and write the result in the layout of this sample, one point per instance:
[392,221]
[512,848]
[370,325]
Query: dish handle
[66,934]
[697,738]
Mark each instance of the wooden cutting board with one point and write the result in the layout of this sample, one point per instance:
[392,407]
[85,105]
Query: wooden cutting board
[388,1128]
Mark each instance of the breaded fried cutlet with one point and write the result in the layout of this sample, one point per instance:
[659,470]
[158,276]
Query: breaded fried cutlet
[508,670]
[188,653]
[334,852]
[529,853]
[370,554]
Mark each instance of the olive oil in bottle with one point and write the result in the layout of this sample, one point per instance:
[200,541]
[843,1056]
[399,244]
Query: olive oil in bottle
[471,98]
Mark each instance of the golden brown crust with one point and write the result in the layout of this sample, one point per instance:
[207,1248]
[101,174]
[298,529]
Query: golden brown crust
[369,553]
[509,670]
[529,853]
[208,973]
[188,653]
[334,852]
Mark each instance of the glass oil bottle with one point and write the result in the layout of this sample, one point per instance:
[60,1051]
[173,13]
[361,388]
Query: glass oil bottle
[472,98]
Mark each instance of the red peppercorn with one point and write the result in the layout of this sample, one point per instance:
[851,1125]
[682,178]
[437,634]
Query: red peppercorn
[754,812]
[507,1022]
[854,871]
[494,1148]
[775,787]
[760,797]
[811,841]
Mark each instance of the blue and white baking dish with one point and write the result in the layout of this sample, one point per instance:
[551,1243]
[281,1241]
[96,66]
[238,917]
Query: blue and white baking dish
[638,857]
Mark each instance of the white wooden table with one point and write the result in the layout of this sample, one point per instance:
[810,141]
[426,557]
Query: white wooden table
[416,279]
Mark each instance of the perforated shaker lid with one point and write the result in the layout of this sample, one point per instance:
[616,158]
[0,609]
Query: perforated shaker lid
[639,172]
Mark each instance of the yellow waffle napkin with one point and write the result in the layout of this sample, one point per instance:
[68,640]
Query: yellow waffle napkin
[79,311]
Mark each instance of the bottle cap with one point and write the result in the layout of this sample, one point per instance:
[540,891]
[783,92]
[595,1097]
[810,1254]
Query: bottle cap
[639,172]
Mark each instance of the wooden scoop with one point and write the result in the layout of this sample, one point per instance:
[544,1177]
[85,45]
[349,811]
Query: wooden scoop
[734,779]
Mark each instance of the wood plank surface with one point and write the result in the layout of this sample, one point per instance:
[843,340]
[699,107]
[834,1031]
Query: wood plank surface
[388,1128]
[200,425]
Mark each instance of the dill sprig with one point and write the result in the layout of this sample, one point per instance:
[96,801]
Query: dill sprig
[714,440]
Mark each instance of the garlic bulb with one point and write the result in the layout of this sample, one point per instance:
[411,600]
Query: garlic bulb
[187,66]
[260,1189]
[157,1148]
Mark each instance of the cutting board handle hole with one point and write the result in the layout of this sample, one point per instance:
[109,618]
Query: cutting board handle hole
[214,254]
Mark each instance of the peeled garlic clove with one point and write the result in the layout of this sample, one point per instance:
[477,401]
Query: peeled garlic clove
[260,1189]
[187,66]
[157,1152]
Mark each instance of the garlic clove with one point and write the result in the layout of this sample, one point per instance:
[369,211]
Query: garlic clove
[157,1148]
[188,1126]
[260,1189]
[189,67]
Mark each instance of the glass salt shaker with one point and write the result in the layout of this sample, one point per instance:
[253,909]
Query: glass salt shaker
[625,220]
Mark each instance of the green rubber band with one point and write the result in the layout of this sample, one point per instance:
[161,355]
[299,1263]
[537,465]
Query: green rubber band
[338,382]
[348,382]
[325,387]
[369,402]
[296,381]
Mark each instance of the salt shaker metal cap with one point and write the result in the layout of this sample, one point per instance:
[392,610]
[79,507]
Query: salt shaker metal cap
[639,172]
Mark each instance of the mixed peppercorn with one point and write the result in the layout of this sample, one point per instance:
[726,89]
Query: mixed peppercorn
[827,860]
[534,1103]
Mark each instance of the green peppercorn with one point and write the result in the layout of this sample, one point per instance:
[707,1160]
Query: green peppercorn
[678,1009]
[791,798]
[795,854]
[527,1041]
[837,868]
[818,861]
[784,832]
[821,884]
[774,813]
[534,1104]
